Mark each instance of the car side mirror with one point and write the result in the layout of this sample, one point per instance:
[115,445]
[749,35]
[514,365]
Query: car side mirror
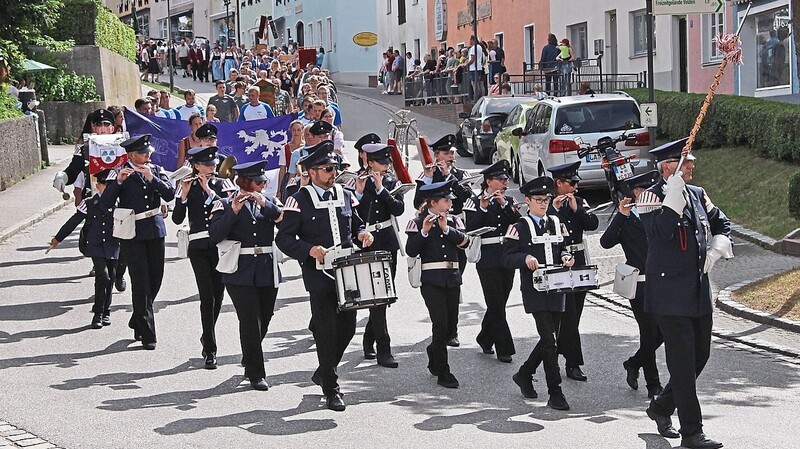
[464,115]
[517,132]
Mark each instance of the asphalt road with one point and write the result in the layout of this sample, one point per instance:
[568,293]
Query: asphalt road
[84,388]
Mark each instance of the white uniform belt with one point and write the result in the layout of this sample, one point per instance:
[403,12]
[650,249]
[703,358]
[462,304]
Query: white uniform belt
[576,247]
[492,240]
[198,235]
[147,214]
[378,226]
[640,278]
[439,266]
[255,250]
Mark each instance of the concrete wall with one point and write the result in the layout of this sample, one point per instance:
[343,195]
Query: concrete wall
[20,152]
[116,78]
[65,120]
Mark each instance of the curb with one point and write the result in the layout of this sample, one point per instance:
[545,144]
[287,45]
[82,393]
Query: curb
[12,436]
[726,303]
[757,238]
[12,230]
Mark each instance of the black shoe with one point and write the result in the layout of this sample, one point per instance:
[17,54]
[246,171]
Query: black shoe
[525,384]
[120,285]
[663,424]
[454,342]
[633,374]
[448,380]
[106,320]
[557,401]
[150,345]
[316,379]
[387,360]
[97,321]
[504,358]
[699,441]
[575,373]
[486,349]
[335,402]
[654,391]
[137,336]
[259,384]
[369,352]
[211,362]
[430,362]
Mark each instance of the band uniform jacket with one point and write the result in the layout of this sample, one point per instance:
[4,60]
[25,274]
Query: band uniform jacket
[628,232]
[496,216]
[518,245]
[437,247]
[576,223]
[676,284]
[198,207]
[253,226]
[304,226]
[80,164]
[462,193]
[140,195]
[98,240]
[376,208]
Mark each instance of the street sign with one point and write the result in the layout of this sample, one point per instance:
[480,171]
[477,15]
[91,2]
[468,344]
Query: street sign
[679,7]
[649,114]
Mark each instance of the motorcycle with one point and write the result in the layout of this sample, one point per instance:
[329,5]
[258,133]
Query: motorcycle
[616,166]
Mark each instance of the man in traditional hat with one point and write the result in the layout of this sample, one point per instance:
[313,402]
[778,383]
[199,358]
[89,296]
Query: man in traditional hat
[686,235]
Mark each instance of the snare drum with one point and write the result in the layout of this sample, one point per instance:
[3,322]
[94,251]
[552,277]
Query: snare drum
[565,280]
[364,280]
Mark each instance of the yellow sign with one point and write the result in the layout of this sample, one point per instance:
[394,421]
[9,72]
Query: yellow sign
[366,39]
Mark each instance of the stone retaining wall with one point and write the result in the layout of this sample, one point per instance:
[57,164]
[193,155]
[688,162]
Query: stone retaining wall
[65,119]
[19,150]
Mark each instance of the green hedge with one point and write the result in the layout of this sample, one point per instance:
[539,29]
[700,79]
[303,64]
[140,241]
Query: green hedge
[58,85]
[794,196]
[8,105]
[88,22]
[770,128]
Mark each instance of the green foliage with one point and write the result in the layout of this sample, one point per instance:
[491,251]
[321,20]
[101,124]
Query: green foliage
[89,22]
[770,128]
[10,52]
[57,85]
[26,22]
[794,195]
[8,106]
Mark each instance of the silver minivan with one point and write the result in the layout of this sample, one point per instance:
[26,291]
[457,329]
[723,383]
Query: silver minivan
[552,126]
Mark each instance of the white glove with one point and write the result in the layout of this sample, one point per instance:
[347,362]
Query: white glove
[720,246]
[674,198]
[60,181]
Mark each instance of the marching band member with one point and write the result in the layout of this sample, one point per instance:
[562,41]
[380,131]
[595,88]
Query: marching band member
[626,229]
[197,194]
[536,241]
[379,209]
[248,217]
[318,132]
[437,237]
[686,235]
[572,210]
[320,221]
[140,186]
[97,242]
[495,209]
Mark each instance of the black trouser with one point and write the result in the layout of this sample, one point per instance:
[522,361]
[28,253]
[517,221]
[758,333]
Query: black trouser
[203,71]
[442,303]
[649,340]
[376,330]
[496,284]
[211,289]
[184,64]
[103,284]
[146,268]
[121,268]
[551,83]
[333,331]
[569,338]
[196,70]
[254,308]
[547,325]
[687,342]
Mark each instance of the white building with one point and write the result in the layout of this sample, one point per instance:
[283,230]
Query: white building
[403,25]
[251,12]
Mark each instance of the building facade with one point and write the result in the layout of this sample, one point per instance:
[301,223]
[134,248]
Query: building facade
[251,12]
[403,25]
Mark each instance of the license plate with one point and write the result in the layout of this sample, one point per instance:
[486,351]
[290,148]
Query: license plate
[592,157]
[623,171]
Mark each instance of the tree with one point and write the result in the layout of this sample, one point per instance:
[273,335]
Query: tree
[24,24]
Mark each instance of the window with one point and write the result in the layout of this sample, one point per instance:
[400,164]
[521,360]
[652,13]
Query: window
[772,40]
[528,40]
[601,116]
[389,6]
[414,2]
[417,49]
[499,38]
[144,24]
[577,39]
[318,36]
[639,33]
[310,42]
[329,34]
[401,12]
[713,26]
[162,28]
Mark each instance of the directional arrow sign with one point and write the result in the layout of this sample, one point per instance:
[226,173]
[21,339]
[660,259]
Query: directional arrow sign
[679,7]
[649,114]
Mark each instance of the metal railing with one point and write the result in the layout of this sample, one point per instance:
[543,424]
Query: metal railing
[442,88]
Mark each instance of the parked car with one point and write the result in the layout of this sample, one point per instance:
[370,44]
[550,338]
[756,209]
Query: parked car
[481,125]
[548,138]
[506,143]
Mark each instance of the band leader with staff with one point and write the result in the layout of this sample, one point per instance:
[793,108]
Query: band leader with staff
[196,196]
[493,208]
[320,223]
[140,187]
[247,220]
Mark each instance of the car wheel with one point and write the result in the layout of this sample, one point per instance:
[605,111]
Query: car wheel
[461,146]
[477,157]
[515,170]
[541,170]
[495,155]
